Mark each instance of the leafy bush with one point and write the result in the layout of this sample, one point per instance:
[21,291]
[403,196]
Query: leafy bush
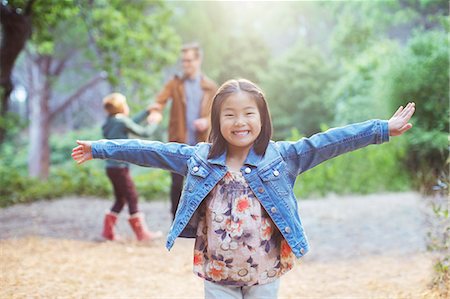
[152,183]
[421,74]
[66,177]
[296,86]
[61,144]
[71,179]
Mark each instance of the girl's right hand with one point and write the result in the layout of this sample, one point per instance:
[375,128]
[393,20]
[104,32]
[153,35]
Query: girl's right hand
[83,152]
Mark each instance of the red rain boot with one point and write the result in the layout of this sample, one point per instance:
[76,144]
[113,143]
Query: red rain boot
[139,227]
[108,227]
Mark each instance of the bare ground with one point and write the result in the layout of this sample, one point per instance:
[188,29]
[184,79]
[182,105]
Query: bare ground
[361,247]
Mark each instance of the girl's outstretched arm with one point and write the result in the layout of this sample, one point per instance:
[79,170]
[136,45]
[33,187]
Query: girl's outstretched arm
[309,152]
[83,152]
[170,156]
[398,123]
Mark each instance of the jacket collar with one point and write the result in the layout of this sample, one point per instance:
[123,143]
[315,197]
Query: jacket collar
[219,160]
[205,82]
[252,159]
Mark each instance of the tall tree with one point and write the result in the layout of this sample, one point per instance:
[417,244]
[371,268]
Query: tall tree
[16,30]
[125,43]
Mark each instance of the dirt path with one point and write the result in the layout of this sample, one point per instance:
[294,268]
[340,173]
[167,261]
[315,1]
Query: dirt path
[361,247]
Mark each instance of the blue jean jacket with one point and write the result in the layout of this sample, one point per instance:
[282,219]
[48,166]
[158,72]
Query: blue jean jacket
[271,176]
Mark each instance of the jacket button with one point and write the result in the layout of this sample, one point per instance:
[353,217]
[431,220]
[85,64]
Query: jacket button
[287,229]
[195,169]
[261,190]
[302,251]
[273,209]
[276,173]
[248,170]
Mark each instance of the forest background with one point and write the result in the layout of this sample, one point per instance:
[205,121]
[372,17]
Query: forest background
[321,64]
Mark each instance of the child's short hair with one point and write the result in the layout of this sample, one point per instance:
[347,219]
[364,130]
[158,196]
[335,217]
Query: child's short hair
[230,87]
[114,103]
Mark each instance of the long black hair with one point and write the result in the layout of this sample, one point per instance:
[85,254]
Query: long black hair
[219,144]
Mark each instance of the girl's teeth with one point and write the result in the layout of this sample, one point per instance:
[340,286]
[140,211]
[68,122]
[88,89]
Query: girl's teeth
[241,133]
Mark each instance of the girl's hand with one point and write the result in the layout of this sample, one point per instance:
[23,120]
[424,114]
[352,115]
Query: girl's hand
[83,152]
[398,123]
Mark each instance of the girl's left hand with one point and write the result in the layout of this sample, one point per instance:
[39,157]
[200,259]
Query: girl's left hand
[398,123]
[83,152]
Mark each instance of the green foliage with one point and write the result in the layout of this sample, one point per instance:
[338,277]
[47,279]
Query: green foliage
[421,75]
[152,183]
[296,86]
[355,94]
[12,124]
[320,64]
[229,51]
[68,180]
[61,145]
[66,177]
[360,25]
[133,41]
[49,17]
[246,58]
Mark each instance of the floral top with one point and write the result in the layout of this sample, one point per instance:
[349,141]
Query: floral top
[237,243]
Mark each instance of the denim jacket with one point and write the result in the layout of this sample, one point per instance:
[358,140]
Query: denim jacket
[271,176]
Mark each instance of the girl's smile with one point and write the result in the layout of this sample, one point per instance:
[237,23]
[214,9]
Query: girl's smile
[240,121]
[241,133]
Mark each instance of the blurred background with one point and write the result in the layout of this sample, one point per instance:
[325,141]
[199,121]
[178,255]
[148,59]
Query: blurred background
[321,64]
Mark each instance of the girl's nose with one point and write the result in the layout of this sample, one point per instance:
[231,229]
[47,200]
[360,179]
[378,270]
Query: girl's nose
[239,122]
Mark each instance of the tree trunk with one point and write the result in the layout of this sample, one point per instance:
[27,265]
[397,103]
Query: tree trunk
[16,29]
[41,115]
[39,151]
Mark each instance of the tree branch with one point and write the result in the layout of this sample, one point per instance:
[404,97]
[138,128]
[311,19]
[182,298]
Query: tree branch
[60,66]
[28,8]
[100,77]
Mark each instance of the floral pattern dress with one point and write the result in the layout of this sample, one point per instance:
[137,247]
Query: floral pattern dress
[237,243]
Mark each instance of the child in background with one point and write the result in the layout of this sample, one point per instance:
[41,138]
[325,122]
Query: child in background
[118,126]
[238,200]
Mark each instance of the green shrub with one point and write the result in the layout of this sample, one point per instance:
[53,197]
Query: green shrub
[151,183]
[420,74]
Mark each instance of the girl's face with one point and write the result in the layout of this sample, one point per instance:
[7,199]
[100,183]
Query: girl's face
[240,121]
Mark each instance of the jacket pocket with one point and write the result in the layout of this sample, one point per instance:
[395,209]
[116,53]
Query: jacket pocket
[196,176]
[275,178]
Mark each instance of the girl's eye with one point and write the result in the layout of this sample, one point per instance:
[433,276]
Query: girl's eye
[228,115]
[250,113]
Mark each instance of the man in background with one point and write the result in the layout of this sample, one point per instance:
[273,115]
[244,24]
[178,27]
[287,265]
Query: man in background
[191,94]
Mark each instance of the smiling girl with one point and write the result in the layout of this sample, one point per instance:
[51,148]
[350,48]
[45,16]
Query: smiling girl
[238,201]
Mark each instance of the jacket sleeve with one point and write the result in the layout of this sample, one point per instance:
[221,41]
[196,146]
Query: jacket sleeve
[138,130]
[309,152]
[163,96]
[140,117]
[168,156]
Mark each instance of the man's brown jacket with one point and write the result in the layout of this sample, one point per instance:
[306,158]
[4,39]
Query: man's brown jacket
[174,89]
